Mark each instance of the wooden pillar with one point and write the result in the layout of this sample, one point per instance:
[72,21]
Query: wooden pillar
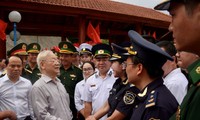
[2,49]
[2,42]
[138,28]
[82,29]
[63,38]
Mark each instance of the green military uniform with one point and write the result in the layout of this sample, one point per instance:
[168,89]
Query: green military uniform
[32,75]
[28,73]
[71,76]
[190,106]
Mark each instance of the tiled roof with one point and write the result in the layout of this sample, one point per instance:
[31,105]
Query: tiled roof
[108,6]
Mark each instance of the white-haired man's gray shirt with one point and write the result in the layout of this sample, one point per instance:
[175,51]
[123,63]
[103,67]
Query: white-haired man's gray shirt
[50,100]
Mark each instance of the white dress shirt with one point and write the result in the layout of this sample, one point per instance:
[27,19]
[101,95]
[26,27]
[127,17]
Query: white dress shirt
[97,90]
[78,95]
[177,83]
[15,96]
[50,100]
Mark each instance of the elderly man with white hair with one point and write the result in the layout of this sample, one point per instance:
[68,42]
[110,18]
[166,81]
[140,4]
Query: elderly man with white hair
[48,96]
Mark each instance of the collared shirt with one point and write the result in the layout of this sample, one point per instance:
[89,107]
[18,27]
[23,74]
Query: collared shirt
[15,96]
[177,83]
[97,90]
[78,95]
[50,100]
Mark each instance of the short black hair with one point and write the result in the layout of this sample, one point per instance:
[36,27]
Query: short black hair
[190,5]
[168,47]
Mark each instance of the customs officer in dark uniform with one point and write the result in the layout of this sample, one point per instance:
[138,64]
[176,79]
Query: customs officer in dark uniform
[70,75]
[32,72]
[144,69]
[122,96]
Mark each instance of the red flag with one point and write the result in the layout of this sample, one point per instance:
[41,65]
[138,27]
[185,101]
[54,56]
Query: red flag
[98,29]
[76,44]
[3,26]
[92,34]
[154,35]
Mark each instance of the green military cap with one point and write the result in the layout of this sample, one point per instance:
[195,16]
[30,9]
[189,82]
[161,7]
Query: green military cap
[19,49]
[33,48]
[102,50]
[66,47]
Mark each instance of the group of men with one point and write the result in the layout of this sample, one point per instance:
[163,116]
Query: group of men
[52,94]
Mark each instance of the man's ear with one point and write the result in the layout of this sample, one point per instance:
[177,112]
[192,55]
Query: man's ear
[42,65]
[139,68]
[123,66]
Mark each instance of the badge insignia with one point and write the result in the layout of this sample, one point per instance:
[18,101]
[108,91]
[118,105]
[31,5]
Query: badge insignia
[100,51]
[24,47]
[34,46]
[72,76]
[198,70]
[65,46]
[129,97]
[84,49]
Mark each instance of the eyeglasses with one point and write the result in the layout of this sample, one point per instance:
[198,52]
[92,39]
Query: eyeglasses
[126,64]
[87,69]
[53,60]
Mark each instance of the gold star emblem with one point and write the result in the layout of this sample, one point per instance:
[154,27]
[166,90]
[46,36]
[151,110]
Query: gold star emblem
[24,47]
[198,70]
[34,46]
[100,51]
[65,46]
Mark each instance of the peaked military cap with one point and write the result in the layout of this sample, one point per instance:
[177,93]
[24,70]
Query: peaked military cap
[102,50]
[19,49]
[85,48]
[66,47]
[118,53]
[33,48]
[165,5]
[147,51]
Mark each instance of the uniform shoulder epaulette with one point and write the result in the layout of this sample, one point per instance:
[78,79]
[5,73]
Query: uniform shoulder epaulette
[3,73]
[151,100]
[194,72]
[28,70]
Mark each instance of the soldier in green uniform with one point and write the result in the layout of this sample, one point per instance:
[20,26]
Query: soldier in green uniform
[32,72]
[70,75]
[185,26]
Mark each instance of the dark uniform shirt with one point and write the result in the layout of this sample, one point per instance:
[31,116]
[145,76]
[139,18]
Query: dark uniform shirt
[155,103]
[69,78]
[32,75]
[122,97]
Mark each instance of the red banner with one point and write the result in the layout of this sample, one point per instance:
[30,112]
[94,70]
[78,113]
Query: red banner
[3,26]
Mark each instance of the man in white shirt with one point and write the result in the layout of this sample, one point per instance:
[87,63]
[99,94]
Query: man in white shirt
[98,85]
[14,90]
[174,79]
